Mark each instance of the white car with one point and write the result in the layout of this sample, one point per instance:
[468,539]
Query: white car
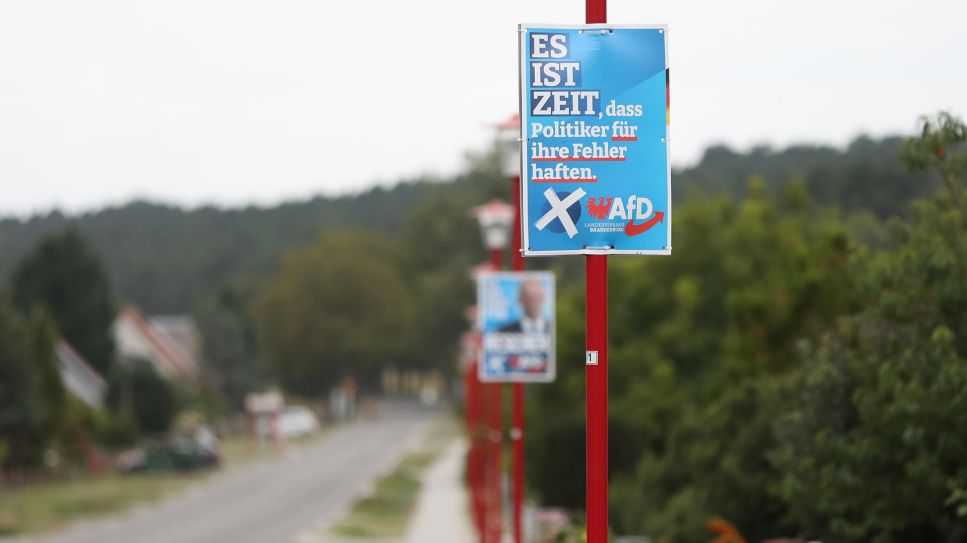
[297,421]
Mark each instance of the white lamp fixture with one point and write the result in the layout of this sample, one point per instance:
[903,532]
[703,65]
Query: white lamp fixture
[508,146]
[496,219]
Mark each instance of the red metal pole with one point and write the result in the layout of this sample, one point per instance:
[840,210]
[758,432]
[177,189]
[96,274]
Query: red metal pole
[497,259]
[486,465]
[597,374]
[488,478]
[496,409]
[517,426]
[596,11]
[597,398]
[517,436]
[516,258]
[497,463]
[474,455]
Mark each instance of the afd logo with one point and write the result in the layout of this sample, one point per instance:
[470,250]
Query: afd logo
[561,211]
[634,208]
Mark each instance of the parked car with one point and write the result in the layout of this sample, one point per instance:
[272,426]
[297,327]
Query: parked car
[297,421]
[188,452]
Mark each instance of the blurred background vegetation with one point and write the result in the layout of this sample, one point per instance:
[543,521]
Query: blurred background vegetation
[796,367]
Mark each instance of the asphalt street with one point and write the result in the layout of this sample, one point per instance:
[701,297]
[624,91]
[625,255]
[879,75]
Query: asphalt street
[271,501]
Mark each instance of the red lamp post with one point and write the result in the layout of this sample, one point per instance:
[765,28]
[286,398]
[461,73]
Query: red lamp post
[496,219]
[596,374]
[472,406]
[508,141]
[477,398]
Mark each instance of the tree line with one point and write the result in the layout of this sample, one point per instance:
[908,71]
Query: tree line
[166,259]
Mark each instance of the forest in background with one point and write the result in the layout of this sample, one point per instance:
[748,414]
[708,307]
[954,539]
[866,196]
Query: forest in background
[166,259]
[781,370]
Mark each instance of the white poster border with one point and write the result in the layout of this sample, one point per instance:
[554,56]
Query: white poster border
[522,138]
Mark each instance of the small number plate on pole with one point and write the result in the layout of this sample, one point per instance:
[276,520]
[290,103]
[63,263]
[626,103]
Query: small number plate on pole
[591,358]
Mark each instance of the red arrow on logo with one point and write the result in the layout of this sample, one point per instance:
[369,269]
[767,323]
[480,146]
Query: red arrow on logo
[632,229]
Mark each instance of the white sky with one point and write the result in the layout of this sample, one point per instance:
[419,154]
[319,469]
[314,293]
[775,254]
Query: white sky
[239,101]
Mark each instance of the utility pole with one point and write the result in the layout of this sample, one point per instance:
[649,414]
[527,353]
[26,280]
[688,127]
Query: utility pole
[596,367]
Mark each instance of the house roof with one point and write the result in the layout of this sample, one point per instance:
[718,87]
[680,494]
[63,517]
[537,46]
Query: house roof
[78,377]
[137,337]
[182,330]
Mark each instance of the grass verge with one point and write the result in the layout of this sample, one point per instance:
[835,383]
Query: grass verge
[44,507]
[386,511]
[47,506]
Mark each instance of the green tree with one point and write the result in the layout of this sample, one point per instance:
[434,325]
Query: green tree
[21,408]
[42,343]
[140,393]
[873,450]
[698,342]
[32,398]
[438,245]
[940,147]
[64,274]
[230,349]
[335,309]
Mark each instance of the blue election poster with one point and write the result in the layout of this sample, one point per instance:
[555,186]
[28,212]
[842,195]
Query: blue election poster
[517,326]
[594,137]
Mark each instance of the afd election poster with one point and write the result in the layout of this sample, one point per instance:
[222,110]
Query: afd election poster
[594,140]
[517,326]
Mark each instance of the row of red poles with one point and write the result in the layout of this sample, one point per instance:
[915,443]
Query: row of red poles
[484,402]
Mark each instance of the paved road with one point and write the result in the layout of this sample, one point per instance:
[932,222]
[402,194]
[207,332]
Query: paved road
[272,501]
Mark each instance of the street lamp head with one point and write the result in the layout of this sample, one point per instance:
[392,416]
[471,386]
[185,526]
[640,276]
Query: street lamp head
[508,146]
[496,219]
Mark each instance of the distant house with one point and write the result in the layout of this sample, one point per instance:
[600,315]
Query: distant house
[181,329]
[78,377]
[170,344]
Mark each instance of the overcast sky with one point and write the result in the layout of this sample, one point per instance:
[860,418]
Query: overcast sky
[237,101]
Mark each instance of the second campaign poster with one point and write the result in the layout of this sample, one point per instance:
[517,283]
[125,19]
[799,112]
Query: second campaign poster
[516,320]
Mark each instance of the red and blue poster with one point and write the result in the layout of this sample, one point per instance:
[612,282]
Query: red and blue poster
[516,321]
[594,136]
